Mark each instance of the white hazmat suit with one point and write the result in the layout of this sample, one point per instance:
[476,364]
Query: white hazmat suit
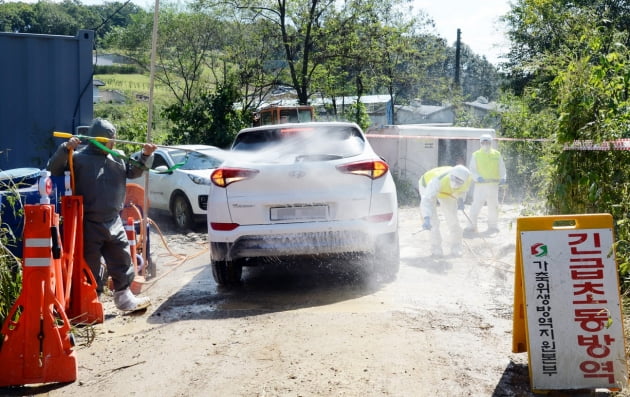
[443,186]
[488,171]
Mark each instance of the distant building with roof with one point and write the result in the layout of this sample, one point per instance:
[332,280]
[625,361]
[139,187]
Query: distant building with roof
[417,113]
[379,108]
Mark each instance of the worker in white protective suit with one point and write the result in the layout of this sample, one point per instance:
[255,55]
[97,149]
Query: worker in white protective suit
[443,186]
[488,171]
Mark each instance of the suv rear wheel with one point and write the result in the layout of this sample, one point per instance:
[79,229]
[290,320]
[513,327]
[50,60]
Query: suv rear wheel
[226,273]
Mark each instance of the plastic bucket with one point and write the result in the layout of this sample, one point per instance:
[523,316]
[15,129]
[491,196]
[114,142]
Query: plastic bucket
[18,178]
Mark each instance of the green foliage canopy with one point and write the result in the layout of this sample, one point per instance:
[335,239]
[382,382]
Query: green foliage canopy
[570,67]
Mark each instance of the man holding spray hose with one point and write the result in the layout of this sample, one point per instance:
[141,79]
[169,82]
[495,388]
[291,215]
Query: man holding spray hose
[101,178]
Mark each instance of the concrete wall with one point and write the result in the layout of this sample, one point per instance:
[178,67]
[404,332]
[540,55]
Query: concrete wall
[45,86]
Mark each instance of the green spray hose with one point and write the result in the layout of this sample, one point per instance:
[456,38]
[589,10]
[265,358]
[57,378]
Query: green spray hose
[96,141]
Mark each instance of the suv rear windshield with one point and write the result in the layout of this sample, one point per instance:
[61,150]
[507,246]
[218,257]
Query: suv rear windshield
[342,141]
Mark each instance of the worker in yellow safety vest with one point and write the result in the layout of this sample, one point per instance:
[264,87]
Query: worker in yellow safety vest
[488,171]
[444,186]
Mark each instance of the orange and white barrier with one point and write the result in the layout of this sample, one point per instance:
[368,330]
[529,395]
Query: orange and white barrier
[83,305]
[37,342]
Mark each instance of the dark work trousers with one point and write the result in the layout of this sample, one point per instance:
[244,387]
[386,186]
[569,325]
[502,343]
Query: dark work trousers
[108,240]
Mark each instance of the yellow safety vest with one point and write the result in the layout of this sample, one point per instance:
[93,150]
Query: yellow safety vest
[488,164]
[445,183]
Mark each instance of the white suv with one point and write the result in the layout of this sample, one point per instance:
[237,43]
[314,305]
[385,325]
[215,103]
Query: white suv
[301,189]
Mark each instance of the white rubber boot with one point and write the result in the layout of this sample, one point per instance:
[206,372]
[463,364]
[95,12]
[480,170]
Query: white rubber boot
[128,302]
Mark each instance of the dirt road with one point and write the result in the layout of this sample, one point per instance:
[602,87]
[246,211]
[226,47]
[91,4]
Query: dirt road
[441,328]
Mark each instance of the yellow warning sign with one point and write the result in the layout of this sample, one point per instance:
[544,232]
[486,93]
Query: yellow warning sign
[567,310]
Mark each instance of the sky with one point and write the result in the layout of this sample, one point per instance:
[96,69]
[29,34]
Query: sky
[478,20]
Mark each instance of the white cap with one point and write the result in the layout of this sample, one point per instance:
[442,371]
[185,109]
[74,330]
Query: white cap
[460,172]
[485,138]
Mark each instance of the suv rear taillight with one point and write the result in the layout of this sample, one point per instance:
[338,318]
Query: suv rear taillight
[224,227]
[224,176]
[371,169]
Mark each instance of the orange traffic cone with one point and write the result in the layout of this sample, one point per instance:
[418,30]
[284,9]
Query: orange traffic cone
[84,306]
[37,342]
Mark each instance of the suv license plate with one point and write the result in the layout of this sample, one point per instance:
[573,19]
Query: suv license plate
[311,212]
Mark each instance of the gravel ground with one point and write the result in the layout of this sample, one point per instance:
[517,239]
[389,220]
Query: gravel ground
[443,327]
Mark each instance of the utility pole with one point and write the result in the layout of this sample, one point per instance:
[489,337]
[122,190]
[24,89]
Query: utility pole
[457,56]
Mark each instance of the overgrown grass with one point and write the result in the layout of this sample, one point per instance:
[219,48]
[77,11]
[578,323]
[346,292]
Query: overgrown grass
[132,84]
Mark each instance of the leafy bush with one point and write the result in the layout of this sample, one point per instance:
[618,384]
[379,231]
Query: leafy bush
[10,269]
[10,281]
[357,112]
[209,118]
[593,182]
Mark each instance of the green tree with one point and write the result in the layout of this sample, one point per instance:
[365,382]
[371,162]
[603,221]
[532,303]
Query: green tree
[134,38]
[51,18]
[64,18]
[249,53]
[185,42]
[298,30]
[371,47]
[108,16]
[357,113]
[209,118]
[407,70]
[16,17]
[572,70]
[540,31]
[353,48]
[478,77]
